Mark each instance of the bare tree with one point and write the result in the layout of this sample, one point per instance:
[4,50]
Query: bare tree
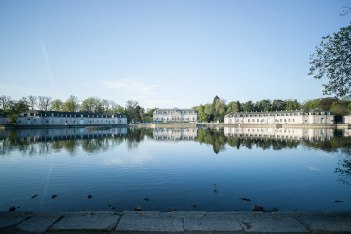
[44,102]
[32,101]
[4,102]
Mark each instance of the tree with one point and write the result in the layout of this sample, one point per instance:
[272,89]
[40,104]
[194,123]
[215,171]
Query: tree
[312,104]
[4,102]
[15,108]
[219,109]
[56,105]
[292,105]
[278,105]
[90,104]
[71,104]
[44,102]
[133,111]
[32,101]
[263,105]
[234,107]
[332,61]
[248,106]
[115,108]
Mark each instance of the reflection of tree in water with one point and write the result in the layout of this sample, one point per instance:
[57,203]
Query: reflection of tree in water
[215,138]
[344,166]
[343,146]
[137,135]
[93,143]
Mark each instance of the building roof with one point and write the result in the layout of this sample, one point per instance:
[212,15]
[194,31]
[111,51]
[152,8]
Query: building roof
[42,113]
[278,112]
[175,109]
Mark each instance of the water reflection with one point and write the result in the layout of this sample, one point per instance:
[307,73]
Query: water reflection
[44,141]
[187,134]
[175,168]
[39,141]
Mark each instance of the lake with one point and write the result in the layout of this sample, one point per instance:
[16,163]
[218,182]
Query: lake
[228,169]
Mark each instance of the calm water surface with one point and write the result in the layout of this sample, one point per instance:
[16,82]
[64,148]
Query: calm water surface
[182,169]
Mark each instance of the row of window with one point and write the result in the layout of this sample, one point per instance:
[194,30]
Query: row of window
[66,115]
[173,112]
[164,119]
[68,121]
[277,114]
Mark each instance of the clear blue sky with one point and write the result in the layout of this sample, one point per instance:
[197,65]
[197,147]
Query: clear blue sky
[163,53]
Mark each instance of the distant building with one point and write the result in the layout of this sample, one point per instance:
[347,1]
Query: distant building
[280,117]
[175,115]
[56,118]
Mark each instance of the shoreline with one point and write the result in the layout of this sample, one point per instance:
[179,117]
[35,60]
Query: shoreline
[174,222]
[182,125]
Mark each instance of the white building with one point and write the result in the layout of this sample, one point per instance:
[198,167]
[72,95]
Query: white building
[55,118]
[316,134]
[280,117]
[175,115]
[172,134]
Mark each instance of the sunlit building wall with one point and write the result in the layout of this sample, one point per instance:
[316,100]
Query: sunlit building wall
[280,117]
[175,115]
[56,118]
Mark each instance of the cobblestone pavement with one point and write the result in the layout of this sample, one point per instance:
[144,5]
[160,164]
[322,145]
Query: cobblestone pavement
[175,222]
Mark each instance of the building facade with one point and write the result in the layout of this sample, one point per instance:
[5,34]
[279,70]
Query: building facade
[171,134]
[175,115]
[313,134]
[280,117]
[56,118]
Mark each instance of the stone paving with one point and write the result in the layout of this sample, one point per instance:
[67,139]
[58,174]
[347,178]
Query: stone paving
[175,222]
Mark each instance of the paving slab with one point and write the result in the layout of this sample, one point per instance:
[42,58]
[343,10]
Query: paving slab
[157,222]
[214,222]
[96,220]
[327,222]
[12,218]
[271,223]
[39,222]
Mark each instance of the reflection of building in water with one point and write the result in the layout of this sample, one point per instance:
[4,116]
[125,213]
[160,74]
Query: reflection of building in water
[280,117]
[318,134]
[347,132]
[174,115]
[175,134]
[67,133]
[347,119]
[50,118]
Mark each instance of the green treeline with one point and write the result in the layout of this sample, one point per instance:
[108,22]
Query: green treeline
[12,108]
[211,112]
[215,111]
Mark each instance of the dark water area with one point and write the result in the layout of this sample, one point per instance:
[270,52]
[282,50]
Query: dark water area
[229,169]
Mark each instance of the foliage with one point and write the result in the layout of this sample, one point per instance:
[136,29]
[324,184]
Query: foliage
[133,111]
[332,61]
[56,105]
[71,104]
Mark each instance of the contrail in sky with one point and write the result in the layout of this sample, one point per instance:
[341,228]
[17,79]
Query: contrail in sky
[43,48]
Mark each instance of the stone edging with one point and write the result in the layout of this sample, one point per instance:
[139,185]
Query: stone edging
[175,222]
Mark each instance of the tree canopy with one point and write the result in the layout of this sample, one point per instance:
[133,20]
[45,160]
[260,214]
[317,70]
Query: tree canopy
[332,61]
